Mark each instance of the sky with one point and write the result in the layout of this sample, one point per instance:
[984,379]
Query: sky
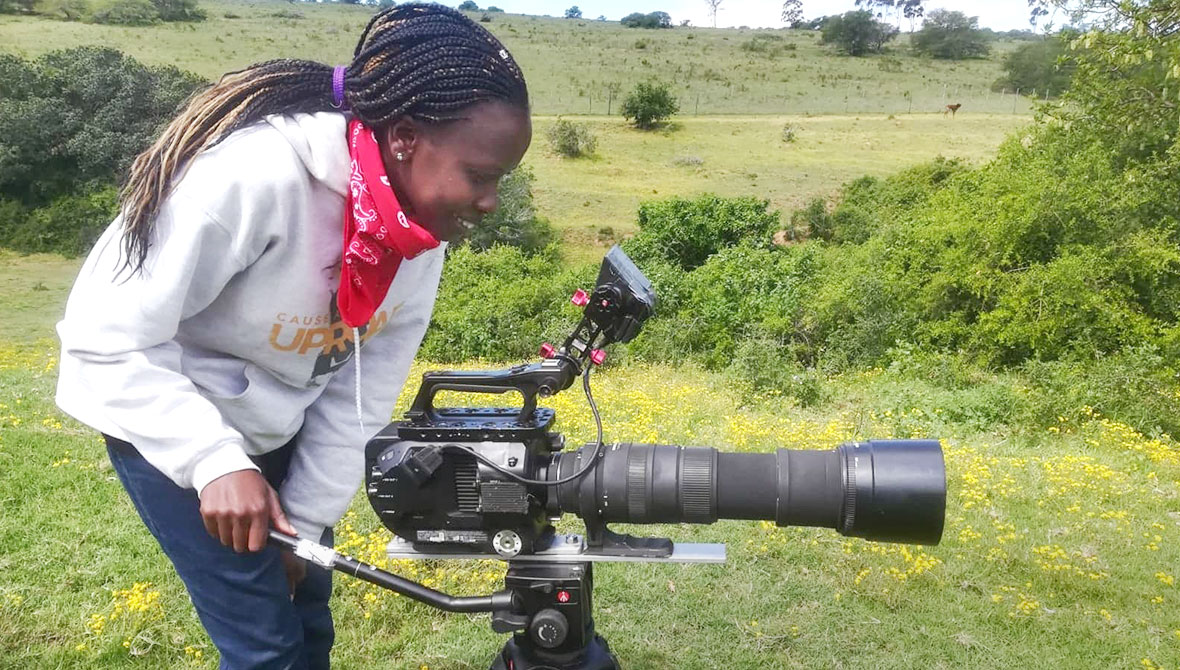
[994,14]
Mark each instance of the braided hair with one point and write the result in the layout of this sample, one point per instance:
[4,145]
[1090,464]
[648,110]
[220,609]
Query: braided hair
[423,61]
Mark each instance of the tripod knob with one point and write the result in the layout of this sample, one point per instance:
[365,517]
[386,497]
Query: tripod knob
[549,628]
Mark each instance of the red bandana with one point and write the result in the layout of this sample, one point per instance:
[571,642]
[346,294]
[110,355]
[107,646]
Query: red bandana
[377,232]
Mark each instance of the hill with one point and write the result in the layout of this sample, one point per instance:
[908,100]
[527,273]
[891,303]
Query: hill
[571,64]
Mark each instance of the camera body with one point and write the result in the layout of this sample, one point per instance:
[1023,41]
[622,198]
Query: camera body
[435,493]
[475,480]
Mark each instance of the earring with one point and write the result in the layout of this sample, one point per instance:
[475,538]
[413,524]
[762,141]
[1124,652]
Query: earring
[401,156]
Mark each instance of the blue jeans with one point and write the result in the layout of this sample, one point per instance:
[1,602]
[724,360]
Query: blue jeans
[243,600]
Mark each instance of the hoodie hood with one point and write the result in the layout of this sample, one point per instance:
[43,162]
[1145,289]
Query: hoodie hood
[320,141]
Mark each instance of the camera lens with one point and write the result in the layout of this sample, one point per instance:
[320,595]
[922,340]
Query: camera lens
[888,490]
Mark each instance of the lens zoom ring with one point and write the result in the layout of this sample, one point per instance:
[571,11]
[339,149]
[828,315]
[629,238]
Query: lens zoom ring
[849,511]
[696,485]
[637,483]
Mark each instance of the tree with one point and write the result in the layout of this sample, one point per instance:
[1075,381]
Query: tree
[1124,88]
[912,10]
[468,6]
[649,104]
[652,20]
[1042,66]
[899,9]
[494,10]
[573,13]
[950,35]
[714,5]
[857,33]
[792,12]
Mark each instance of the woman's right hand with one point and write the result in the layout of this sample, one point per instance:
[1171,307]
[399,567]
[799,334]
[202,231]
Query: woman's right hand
[238,509]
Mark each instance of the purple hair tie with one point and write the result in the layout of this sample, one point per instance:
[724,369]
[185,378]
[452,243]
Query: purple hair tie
[338,86]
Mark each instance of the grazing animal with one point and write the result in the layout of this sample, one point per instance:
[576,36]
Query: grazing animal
[952,109]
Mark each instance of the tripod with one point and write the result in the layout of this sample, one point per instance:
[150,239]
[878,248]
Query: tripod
[546,602]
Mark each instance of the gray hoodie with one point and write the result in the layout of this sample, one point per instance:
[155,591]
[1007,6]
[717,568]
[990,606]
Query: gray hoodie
[229,344]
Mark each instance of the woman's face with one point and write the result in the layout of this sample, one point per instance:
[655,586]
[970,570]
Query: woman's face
[448,173]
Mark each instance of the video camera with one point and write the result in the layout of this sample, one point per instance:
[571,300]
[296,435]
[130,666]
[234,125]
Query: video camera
[479,482]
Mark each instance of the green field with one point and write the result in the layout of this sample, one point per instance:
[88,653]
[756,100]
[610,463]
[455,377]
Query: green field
[741,156]
[570,64]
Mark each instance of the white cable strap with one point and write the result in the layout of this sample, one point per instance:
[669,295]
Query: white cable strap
[356,348]
[316,553]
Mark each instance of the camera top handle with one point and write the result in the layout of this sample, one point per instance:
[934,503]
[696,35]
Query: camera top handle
[614,311]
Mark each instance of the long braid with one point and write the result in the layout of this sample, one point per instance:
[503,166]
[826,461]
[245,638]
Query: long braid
[425,61]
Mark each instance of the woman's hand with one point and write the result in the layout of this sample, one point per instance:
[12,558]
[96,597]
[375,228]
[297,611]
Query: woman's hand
[238,509]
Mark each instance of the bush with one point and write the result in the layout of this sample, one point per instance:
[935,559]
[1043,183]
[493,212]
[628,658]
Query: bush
[49,149]
[764,367]
[857,33]
[641,20]
[687,232]
[571,139]
[126,13]
[66,10]
[500,304]
[1135,385]
[179,10]
[67,226]
[950,35]
[649,104]
[468,6]
[514,223]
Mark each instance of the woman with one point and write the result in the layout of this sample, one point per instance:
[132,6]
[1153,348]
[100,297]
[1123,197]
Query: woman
[215,333]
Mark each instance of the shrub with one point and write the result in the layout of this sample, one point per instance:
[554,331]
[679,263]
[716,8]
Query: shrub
[500,304]
[126,13]
[686,232]
[649,104]
[66,10]
[763,366]
[179,10]
[67,226]
[1038,66]
[571,139]
[514,222]
[48,148]
[641,20]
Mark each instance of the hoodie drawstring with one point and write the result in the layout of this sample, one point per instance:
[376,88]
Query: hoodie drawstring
[356,338]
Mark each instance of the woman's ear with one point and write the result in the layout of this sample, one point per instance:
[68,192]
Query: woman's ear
[402,137]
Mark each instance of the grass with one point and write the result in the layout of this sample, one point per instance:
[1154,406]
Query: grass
[739,156]
[33,292]
[571,64]
[1061,548]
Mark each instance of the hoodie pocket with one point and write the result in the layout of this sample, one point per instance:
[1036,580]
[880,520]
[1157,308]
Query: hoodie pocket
[220,378]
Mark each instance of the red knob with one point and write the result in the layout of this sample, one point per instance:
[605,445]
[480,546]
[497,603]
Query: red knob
[547,350]
[580,298]
[597,356]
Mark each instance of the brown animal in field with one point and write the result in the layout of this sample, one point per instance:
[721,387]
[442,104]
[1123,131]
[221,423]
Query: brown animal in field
[952,109]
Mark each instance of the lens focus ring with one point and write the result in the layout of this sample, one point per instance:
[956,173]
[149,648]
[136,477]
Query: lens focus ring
[697,485]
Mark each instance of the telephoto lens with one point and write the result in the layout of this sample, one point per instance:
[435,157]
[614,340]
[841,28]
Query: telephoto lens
[884,490]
